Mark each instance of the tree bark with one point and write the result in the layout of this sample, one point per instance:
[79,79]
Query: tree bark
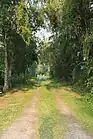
[10,74]
[6,81]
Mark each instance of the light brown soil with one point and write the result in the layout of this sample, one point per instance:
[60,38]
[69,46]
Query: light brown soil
[26,126]
[3,104]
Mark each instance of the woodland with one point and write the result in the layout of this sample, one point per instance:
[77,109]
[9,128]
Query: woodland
[68,53]
[46,58]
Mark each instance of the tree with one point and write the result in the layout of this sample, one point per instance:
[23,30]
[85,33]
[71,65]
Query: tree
[70,51]
[17,31]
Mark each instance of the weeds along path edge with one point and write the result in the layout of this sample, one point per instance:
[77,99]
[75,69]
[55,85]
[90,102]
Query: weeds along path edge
[26,126]
[73,129]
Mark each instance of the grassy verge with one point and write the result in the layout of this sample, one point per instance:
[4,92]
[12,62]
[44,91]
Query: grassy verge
[11,105]
[81,109]
[50,120]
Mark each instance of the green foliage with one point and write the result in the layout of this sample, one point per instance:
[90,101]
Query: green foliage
[70,52]
[88,44]
[88,53]
[88,98]
[67,56]
[16,28]
[23,22]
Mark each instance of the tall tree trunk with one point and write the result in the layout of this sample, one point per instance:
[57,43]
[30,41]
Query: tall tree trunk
[10,74]
[6,81]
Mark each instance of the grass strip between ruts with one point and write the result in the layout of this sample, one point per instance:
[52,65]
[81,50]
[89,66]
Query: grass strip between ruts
[50,124]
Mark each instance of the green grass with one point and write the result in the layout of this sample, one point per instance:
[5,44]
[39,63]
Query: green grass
[11,106]
[50,126]
[80,108]
[51,122]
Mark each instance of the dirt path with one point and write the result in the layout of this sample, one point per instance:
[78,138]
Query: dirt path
[73,130]
[25,127]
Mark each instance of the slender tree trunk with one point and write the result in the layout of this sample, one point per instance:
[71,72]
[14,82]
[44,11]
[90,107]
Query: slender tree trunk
[10,74]
[6,81]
